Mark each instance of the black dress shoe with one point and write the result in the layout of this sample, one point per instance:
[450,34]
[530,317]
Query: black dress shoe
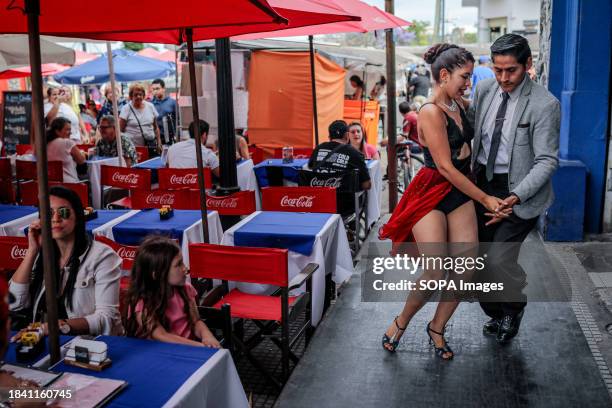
[491,327]
[509,327]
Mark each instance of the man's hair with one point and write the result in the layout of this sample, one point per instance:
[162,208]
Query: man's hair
[404,107]
[204,127]
[512,44]
[110,119]
[159,82]
[338,129]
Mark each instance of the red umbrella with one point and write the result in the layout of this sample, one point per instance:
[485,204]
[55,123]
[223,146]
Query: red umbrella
[21,72]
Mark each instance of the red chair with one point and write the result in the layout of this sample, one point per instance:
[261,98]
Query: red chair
[266,266]
[299,199]
[26,170]
[7,191]
[124,178]
[127,253]
[298,152]
[240,203]
[85,147]
[257,154]
[142,153]
[29,191]
[24,149]
[175,179]
[12,252]
[177,199]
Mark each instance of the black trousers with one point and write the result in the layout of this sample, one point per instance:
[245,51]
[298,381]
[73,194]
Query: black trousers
[502,244]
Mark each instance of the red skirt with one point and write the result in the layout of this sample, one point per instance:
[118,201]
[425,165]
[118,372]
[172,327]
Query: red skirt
[424,193]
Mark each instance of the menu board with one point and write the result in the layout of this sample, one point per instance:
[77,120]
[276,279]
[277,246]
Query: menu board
[16,118]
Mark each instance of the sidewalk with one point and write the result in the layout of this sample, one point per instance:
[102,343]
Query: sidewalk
[559,359]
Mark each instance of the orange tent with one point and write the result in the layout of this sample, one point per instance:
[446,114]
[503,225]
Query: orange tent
[366,112]
[280,98]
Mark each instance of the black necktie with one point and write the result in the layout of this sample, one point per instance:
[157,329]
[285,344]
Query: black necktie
[496,137]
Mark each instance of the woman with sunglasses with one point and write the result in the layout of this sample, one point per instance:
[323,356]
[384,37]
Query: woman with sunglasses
[357,139]
[87,273]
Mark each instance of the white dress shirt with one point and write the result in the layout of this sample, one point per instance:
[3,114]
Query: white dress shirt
[488,125]
[182,155]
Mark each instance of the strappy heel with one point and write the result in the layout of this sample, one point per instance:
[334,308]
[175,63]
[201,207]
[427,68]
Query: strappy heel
[393,341]
[440,351]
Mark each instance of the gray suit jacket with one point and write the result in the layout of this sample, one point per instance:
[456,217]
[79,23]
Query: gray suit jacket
[533,144]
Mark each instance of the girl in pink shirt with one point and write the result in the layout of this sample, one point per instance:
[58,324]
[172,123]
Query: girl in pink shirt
[164,303]
[357,139]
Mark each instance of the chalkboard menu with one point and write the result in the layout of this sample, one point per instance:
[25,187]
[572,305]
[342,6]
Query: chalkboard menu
[16,118]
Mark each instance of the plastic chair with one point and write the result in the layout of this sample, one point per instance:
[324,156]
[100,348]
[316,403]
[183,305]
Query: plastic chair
[175,179]
[29,192]
[177,199]
[142,153]
[240,203]
[124,178]
[299,199]
[26,170]
[12,252]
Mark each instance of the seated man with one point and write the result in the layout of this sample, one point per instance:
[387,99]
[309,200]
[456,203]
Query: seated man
[182,155]
[339,155]
[107,145]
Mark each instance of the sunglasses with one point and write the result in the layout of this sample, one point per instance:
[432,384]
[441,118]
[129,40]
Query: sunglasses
[63,212]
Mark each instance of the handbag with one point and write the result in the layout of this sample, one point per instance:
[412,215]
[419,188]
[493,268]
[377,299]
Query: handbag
[146,139]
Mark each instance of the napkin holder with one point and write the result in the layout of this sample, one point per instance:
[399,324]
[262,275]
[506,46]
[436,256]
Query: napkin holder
[88,354]
[166,212]
[31,344]
[90,213]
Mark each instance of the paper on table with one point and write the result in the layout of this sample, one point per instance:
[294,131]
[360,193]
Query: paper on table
[87,391]
[40,377]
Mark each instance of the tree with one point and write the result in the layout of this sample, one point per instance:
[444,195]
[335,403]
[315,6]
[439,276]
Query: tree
[470,38]
[133,46]
[419,28]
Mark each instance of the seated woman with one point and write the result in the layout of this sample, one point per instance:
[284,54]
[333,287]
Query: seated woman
[61,148]
[160,304]
[357,140]
[87,273]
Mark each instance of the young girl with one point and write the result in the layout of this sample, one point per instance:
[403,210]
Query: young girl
[163,302]
[357,139]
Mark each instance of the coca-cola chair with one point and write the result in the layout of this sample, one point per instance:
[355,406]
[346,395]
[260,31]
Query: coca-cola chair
[239,203]
[124,178]
[350,198]
[29,191]
[22,149]
[298,152]
[12,252]
[257,154]
[142,153]
[177,199]
[26,170]
[299,199]
[269,313]
[176,179]
[127,253]
[7,190]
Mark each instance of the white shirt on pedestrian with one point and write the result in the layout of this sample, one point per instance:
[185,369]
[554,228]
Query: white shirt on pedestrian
[65,111]
[59,150]
[182,155]
[146,116]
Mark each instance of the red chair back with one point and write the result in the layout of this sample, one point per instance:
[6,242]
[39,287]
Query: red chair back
[265,265]
[29,191]
[298,152]
[24,149]
[85,147]
[177,199]
[5,168]
[257,154]
[7,191]
[240,203]
[26,170]
[12,252]
[131,178]
[142,153]
[127,253]
[299,199]
[175,179]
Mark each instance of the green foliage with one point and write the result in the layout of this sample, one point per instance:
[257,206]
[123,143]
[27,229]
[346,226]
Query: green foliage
[470,38]
[419,28]
[133,46]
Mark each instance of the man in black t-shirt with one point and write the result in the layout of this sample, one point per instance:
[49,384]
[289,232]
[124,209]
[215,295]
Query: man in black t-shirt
[339,155]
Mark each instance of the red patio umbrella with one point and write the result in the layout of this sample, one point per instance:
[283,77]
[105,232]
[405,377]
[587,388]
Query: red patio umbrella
[24,71]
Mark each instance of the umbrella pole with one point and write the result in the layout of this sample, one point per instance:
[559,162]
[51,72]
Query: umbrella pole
[32,8]
[111,71]
[198,136]
[177,130]
[313,84]
[391,112]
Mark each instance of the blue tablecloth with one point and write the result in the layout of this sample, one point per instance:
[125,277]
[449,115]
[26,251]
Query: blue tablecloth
[147,222]
[289,170]
[98,158]
[152,164]
[274,229]
[11,356]
[104,216]
[12,212]
[154,370]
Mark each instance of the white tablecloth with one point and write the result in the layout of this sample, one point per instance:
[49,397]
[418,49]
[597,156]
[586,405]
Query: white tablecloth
[15,227]
[375,192]
[215,384]
[330,250]
[94,174]
[247,180]
[192,235]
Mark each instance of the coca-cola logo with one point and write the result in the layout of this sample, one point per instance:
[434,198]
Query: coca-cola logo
[126,253]
[18,253]
[160,199]
[187,179]
[131,178]
[222,203]
[297,202]
[330,182]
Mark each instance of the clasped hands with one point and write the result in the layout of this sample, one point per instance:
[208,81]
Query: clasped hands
[499,209]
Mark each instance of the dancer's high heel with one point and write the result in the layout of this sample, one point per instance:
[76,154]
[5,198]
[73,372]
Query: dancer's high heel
[440,351]
[393,341]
